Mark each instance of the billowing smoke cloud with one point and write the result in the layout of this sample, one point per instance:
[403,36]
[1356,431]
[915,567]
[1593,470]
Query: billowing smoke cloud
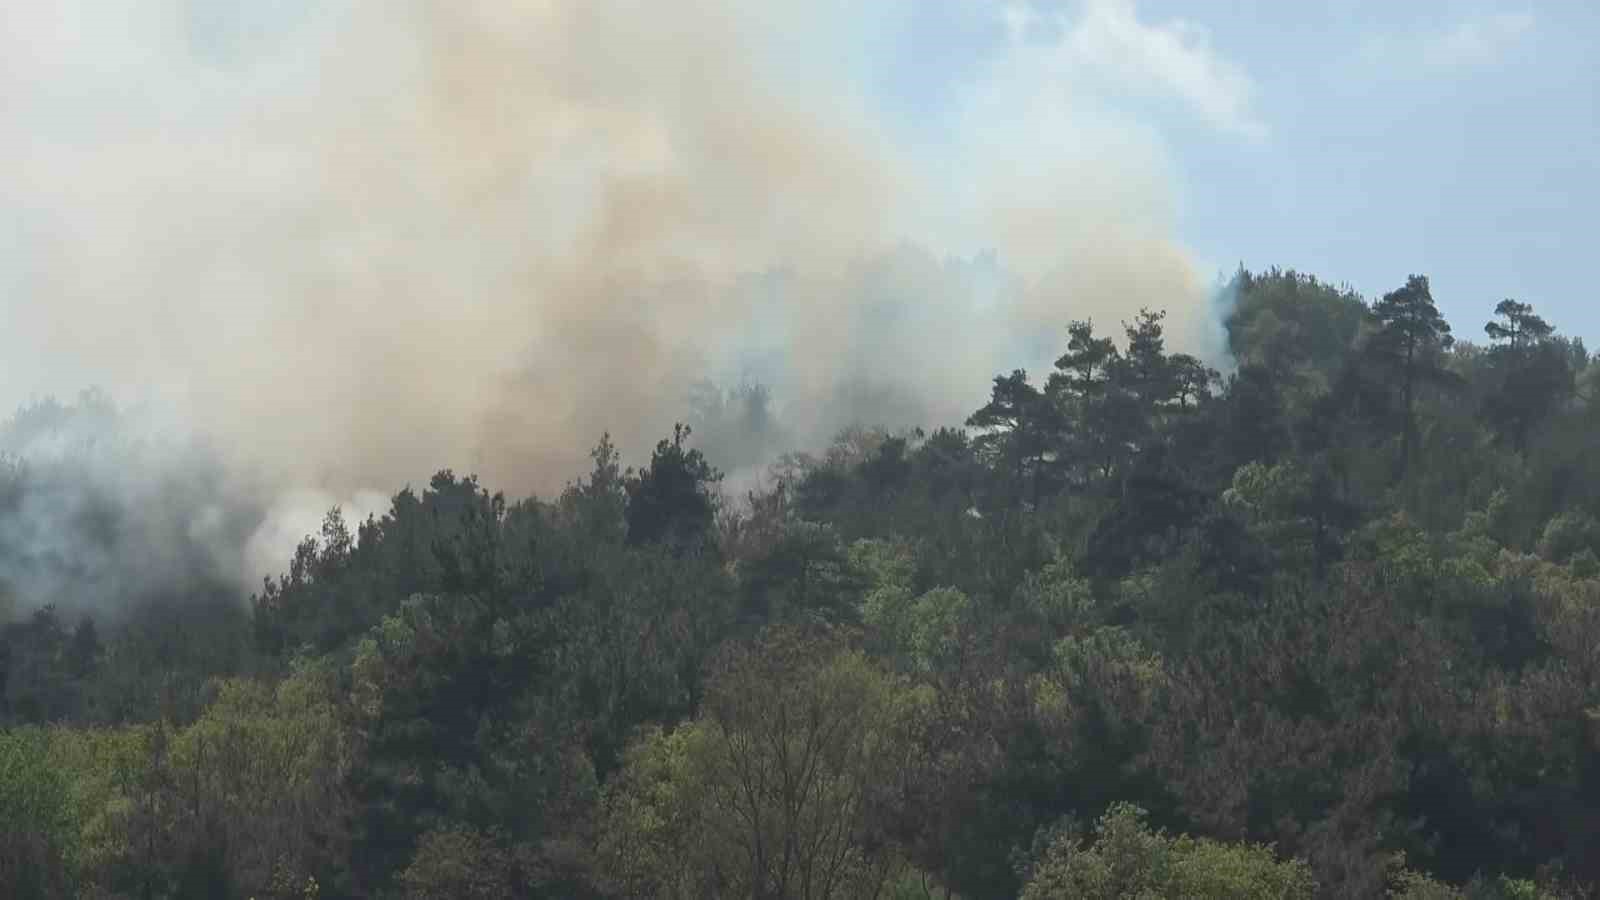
[355,242]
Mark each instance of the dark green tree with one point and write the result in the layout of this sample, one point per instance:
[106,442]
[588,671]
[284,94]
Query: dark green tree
[1102,417]
[1411,331]
[671,501]
[597,506]
[1016,426]
[1085,368]
[1144,368]
[1193,380]
[1298,328]
[1532,373]
[1521,326]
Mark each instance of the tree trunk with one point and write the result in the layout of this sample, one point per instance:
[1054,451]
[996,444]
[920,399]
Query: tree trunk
[1410,422]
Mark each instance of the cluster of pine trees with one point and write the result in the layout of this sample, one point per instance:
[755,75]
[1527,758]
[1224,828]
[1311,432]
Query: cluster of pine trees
[1326,627]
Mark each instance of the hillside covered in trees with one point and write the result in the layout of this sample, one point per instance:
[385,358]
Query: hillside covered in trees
[1325,626]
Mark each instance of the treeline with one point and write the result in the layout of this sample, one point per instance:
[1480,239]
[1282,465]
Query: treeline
[1326,627]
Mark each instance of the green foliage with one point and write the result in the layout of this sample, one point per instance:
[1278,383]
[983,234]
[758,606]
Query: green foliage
[1274,501]
[104,767]
[1410,333]
[1015,429]
[1409,885]
[1568,534]
[671,501]
[771,791]
[1520,328]
[803,574]
[1127,859]
[1409,322]
[1295,328]
[1056,598]
[1530,374]
[452,538]
[902,658]
[247,800]
[265,770]
[39,839]
[1094,705]
[460,862]
[449,735]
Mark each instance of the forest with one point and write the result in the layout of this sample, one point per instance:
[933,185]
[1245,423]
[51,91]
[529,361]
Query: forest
[1324,625]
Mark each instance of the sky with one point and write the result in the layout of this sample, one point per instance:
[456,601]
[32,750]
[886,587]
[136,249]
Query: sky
[1358,141]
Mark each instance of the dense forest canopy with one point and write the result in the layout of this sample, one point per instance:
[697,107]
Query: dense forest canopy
[1324,624]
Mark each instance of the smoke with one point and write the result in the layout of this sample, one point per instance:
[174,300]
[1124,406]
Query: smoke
[353,242]
[96,511]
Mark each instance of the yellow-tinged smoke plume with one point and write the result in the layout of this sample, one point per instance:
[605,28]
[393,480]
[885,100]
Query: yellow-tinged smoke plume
[352,243]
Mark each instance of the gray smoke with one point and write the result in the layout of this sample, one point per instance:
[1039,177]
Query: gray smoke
[98,512]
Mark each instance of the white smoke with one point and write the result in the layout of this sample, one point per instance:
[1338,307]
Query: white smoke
[354,242]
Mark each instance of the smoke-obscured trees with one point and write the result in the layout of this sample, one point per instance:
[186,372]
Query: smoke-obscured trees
[103,509]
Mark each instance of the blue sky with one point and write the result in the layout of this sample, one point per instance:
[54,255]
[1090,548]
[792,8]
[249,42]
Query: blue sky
[1359,141]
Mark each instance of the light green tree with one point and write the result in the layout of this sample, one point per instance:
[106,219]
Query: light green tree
[1128,859]
[770,793]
